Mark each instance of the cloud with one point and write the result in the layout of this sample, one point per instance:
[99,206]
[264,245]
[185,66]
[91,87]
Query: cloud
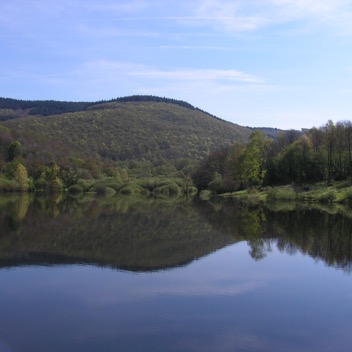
[111,7]
[251,15]
[94,32]
[200,75]
[228,15]
[142,71]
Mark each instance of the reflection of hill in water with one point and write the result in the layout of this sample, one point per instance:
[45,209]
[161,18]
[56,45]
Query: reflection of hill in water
[144,235]
[125,234]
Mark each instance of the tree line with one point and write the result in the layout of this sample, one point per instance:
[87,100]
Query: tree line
[318,154]
[53,107]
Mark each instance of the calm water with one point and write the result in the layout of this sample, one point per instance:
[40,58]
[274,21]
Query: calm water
[129,275]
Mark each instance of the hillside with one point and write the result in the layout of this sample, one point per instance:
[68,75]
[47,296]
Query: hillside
[148,129]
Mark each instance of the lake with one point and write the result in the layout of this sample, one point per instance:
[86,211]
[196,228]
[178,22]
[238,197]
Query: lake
[126,274]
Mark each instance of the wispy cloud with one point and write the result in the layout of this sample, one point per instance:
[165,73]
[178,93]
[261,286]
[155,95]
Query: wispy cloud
[200,75]
[114,7]
[106,31]
[228,15]
[142,71]
[199,47]
[244,15]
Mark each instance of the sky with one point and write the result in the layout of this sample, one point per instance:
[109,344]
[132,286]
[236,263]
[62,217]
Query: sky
[273,63]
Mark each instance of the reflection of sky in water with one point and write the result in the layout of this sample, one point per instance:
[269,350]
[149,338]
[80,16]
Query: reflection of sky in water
[223,302]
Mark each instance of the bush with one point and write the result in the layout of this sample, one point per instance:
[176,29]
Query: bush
[148,183]
[8,185]
[205,195]
[348,194]
[99,188]
[75,189]
[40,184]
[327,197]
[102,188]
[115,184]
[281,193]
[55,185]
[166,191]
[192,191]
[86,184]
[133,189]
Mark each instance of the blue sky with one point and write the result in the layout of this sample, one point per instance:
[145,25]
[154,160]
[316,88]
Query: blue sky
[277,63]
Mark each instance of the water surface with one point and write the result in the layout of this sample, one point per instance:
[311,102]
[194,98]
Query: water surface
[129,275]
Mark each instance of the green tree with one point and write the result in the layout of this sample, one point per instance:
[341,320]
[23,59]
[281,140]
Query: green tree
[253,168]
[21,177]
[16,171]
[51,176]
[330,139]
[348,136]
[216,183]
[15,150]
[232,173]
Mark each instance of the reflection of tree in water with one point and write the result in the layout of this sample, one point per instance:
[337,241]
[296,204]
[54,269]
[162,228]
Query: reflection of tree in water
[13,211]
[321,235]
[145,234]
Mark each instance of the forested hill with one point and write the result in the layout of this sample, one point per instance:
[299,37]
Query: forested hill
[53,107]
[152,130]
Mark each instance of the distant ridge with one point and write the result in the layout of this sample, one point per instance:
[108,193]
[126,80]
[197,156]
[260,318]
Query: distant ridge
[55,107]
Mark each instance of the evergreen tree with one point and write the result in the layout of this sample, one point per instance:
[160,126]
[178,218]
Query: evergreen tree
[15,150]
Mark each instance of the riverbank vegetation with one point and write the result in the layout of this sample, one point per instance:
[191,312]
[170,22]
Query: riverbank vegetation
[316,164]
[162,147]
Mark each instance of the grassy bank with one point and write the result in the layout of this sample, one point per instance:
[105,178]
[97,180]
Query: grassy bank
[320,193]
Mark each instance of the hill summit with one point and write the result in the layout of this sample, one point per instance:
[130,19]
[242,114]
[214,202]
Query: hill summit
[147,129]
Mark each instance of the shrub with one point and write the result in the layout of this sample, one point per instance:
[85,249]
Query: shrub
[205,195]
[115,184]
[348,194]
[192,191]
[148,183]
[86,184]
[55,185]
[102,188]
[281,193]
[8,185]
[99,188]
[75,189]
[40,184]
[166,191]
[133,189]
[327,197]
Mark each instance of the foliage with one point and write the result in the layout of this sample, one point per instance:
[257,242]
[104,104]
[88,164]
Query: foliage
[231,168]
[327,197]
[166,191]
[75,189]
[169,137]
[8,185]
[52,107]
[15,150]
[51,176]
[281,194]
[21,177]
[133,189]
[319,154]
[253,169]
[205,195]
